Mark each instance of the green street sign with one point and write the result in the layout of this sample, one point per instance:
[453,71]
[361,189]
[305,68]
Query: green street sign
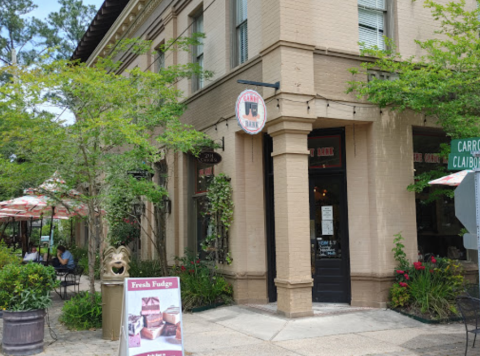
[461,157]
[461,161]
[465,145]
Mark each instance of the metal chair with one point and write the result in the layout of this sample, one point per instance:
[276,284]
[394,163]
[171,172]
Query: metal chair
[472,290]
[71,278]
[470,309]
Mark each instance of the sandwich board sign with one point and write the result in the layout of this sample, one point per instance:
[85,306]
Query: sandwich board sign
[152,317]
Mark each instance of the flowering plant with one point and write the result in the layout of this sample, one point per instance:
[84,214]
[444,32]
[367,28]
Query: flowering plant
[124,232]
[200,282]
[430,287]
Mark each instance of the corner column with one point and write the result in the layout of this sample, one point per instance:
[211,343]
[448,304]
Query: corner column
[290,160]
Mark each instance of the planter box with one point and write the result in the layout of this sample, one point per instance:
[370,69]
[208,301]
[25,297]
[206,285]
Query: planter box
[23,332]
[206,307]
[429,321]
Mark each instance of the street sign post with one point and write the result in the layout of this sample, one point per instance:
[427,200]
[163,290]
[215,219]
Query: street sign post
[459,148]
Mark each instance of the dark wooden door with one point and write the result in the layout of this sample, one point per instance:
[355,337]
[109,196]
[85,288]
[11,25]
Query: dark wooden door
[329,239]
[329,217]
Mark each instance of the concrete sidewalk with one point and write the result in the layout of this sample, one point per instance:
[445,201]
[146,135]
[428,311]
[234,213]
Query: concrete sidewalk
[239,330]
[256,330]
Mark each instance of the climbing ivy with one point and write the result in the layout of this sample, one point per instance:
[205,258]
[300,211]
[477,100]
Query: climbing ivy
[220,210]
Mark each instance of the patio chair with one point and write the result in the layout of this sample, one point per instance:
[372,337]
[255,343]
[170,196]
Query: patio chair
[472,290]
[71,278]
[470,309]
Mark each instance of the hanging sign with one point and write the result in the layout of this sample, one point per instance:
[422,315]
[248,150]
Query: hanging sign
[209,158]
[153,317]
[251,112]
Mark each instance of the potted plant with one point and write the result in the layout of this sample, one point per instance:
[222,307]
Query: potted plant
[6,257]
[24,296]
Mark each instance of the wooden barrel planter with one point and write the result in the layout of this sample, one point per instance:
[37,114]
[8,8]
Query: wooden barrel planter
[23,332]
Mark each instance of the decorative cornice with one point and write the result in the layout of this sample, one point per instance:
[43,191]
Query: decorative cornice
[180,5]
[147,11]
[286,44]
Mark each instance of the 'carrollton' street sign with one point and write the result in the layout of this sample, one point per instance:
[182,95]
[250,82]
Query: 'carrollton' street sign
[460,157]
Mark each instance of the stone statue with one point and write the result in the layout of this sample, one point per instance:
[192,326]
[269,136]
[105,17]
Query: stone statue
[116,263]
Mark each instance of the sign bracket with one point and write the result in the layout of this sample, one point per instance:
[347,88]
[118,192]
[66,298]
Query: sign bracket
[275,86]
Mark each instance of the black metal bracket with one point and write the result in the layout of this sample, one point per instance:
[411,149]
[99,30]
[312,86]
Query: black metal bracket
[275,86]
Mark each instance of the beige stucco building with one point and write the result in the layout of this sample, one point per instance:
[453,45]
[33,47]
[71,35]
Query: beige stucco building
[321,191]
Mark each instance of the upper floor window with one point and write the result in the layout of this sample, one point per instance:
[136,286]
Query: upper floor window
[240,39]
[381,75]
[198,51]
[372,23]
[159,58]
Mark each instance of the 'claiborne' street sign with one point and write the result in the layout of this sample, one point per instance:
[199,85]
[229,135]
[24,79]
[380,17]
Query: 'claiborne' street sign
[460,157]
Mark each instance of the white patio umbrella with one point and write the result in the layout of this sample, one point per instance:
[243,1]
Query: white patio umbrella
[452,180]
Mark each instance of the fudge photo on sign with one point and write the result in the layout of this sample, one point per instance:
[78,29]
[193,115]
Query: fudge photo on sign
[169,330]
[134,340]
[135,325]
[153,320]
[150,305]
[152,333]
[178,336]
[172,315]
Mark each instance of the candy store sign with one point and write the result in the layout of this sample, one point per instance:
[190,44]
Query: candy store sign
[251,112]
[152,324]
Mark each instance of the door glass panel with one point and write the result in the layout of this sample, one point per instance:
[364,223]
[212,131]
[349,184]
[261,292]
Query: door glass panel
[325,151]
[327,216]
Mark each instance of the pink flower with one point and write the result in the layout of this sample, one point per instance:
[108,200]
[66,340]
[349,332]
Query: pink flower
[198,261]
[183,268]
[418,266]
[433,260]
[406,276]
[403,284]
[399,271]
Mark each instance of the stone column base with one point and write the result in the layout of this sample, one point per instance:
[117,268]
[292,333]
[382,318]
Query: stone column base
[294,298]
[370,290]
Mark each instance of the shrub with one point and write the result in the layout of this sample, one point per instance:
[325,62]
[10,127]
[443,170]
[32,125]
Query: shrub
[80,313]
[83,261]
[428,287]
[147,268]
[399,296]
[26,287]
[200,283]
[7,256]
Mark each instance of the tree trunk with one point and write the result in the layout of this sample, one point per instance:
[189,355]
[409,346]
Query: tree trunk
[91,248]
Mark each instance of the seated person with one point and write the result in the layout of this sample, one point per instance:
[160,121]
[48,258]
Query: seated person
[64,259]
[32,255]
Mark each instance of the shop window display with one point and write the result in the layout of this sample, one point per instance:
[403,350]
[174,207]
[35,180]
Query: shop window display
[437,227]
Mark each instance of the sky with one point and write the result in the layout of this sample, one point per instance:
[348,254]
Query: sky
[47,6]
[44,8]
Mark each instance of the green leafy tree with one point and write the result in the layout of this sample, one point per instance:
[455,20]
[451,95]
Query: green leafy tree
[30,36]
[442,83]
[68,25]
[121,121]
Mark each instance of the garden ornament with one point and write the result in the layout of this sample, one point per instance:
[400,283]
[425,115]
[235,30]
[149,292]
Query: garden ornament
[116,263]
